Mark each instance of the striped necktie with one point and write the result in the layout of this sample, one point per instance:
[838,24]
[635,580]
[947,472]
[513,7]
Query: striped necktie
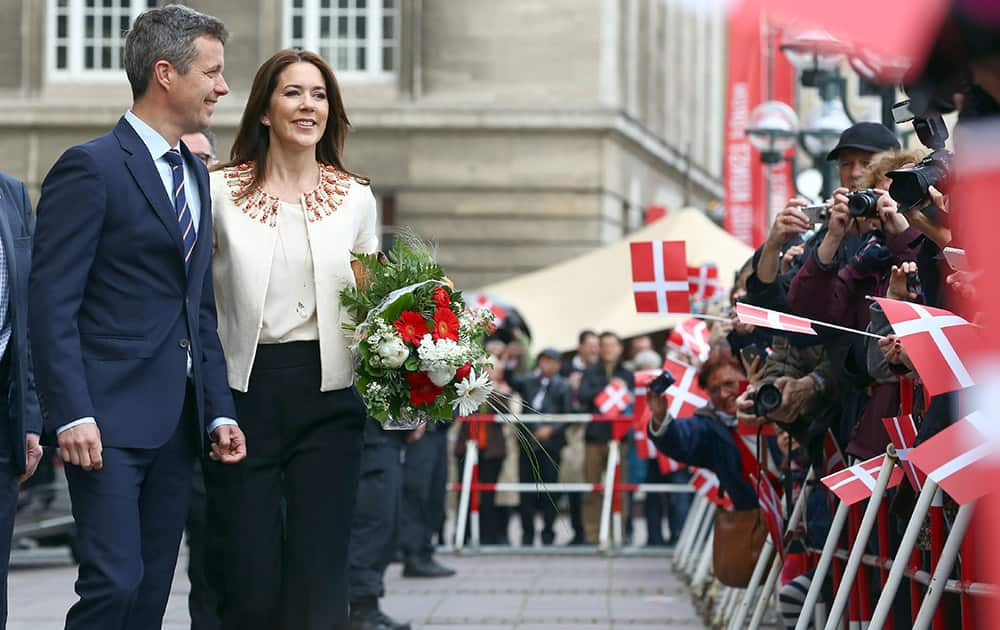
[188,234]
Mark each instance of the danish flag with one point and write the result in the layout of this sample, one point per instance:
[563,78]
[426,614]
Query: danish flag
[659,277]
[936,341]
[903,433]
[706,483]
[613,399]
[690,337]
[685,396]
[703,281]
[857,482]
[766,318]
[962,459]
[486,304]
[770,507]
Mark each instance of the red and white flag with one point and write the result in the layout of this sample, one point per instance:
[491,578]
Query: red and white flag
[964,459]
[766,318]
[685,396]
[484,303]
[614,399]
[857,482]
[770,508]
[938,342]
[668,464]
[659,277]
[833,459]
[690,338]
[903,434]
[703,281]
[706,483]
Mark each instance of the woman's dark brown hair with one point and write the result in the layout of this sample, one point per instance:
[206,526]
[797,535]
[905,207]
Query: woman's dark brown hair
[253,138]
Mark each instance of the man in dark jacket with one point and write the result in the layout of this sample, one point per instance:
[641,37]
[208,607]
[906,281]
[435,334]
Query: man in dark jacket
[544,392]
[598,434]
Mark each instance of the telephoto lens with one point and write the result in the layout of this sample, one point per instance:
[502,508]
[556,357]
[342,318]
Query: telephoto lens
[766,400]
[863,203]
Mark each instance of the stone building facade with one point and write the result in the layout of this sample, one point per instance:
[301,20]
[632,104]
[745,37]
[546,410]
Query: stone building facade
[515,134]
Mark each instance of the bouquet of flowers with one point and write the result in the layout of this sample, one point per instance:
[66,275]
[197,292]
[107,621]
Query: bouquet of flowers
[418,348]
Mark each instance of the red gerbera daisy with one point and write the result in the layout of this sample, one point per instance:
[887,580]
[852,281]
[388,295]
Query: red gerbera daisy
[411,327]
[445,324]
[463,372]
[423,391]
[441,297]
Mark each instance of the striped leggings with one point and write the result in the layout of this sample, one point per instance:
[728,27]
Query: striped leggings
[791,598]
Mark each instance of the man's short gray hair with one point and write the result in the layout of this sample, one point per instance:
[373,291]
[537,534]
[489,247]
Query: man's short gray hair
[648,360]
[168,34]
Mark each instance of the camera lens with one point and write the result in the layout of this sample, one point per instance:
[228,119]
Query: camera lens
[863,203]
[767,399]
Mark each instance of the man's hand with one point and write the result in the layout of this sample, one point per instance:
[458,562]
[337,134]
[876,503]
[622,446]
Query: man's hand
[81,446]
[840,220]
[755,370]
[789,223]
[789,257]
[229,446]
[795,395]
[893,223]
[962,282]
[33,453]
[544,433]
[744,408]
[657,408]
[894,353]
[897,282]
[574,380]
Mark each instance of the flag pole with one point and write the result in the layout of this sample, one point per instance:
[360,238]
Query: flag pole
[846,329]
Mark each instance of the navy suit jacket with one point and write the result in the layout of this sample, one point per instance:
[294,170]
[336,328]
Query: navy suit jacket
[114,312]
[17,222]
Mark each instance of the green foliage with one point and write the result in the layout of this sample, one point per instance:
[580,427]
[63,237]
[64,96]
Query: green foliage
[409,262]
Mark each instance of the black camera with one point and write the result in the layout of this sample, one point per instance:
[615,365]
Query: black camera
[863,203]
[766,399]
[909,185]
[661,383]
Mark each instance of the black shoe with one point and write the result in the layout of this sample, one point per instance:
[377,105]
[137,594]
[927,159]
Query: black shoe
[426,569]
[366,618]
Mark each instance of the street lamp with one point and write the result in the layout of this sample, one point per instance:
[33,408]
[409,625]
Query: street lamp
[772,129]
[816,55]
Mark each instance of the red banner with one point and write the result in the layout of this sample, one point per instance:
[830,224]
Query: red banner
[748,208]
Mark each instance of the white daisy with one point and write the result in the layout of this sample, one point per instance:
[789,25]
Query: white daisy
[472,391]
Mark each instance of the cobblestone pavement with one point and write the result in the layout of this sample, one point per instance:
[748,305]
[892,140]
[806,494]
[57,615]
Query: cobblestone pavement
[490,592]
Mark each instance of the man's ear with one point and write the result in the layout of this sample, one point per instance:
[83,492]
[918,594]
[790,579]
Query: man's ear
[163,73]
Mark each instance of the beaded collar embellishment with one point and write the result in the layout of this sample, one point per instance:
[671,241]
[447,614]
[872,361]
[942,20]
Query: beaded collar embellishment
[257,205]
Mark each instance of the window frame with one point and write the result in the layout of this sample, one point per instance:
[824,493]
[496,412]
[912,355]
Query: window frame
[374,41]
[75,42]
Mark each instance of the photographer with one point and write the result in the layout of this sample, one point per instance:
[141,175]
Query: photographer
[708,439]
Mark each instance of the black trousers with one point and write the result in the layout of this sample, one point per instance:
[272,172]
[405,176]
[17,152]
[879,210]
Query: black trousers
[542,469]
[375,528]
[425,486]
[279,522]
[203,602]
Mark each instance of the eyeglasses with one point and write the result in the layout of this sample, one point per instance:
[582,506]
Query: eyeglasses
[731,385]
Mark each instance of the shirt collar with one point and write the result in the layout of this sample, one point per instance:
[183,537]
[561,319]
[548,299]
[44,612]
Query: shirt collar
[155,143]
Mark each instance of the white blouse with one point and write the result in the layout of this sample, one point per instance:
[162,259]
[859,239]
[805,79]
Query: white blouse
[290,303]
[339,219]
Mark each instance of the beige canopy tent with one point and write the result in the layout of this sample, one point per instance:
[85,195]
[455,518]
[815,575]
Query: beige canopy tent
[595,290]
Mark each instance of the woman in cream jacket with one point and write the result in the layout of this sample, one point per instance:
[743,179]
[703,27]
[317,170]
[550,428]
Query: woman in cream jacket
[288,216]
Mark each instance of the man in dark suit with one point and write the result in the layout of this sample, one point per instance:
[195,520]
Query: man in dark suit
[544,392]
[131,376]
[19,415]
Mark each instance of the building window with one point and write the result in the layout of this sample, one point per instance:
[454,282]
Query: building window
[87,37]
[386,221]
[360,38]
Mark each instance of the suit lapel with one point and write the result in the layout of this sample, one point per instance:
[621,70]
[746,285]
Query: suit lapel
[140,165]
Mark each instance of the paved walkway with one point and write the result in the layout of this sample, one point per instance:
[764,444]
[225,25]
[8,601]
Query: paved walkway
[490,592]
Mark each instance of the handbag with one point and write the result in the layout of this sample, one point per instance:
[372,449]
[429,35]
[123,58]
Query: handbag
[739,537]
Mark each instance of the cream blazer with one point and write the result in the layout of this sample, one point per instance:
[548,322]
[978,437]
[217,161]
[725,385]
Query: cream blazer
[341,219]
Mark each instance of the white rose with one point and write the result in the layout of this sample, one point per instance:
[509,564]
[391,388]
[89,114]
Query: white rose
[441,376]
[393,352]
